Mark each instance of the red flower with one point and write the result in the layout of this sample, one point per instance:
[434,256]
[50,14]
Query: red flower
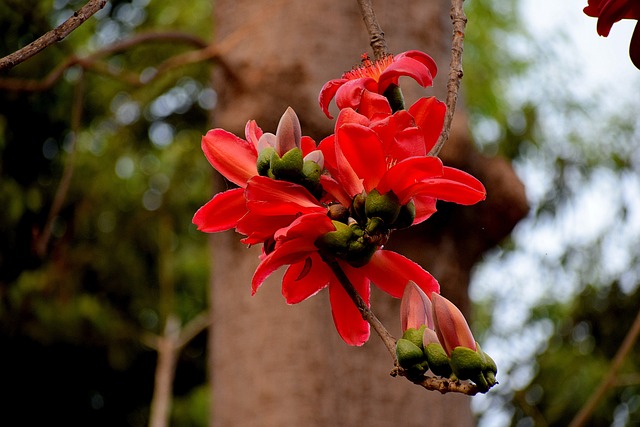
[363,86]
[308,274]
[236,160]
[359,160]
[609,12]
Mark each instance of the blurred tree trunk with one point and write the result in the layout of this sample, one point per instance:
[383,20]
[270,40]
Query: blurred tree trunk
[278,365]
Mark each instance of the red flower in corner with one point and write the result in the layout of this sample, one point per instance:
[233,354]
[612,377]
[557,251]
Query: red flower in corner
[364,86]
[609,12]
[308,274]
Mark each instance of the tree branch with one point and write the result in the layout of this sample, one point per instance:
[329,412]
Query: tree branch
[609,380]
[459,20]
[443,385]
[376,35]
[53,36]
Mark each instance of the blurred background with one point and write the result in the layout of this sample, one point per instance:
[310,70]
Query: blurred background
[101,172]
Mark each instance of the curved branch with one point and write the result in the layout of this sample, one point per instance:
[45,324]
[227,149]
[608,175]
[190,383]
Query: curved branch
[53,36]
[459,20]
[89,61]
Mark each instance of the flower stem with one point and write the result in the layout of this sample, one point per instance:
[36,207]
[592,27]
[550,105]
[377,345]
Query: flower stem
[388,339]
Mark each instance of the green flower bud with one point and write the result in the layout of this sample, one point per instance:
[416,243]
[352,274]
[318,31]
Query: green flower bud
[358,205]
[338,212]
[438,360]
[415,335]
[468,365]
[395,97]
[264,160]
[336,243]
[289,167]
[406,216]
[408,354]
[384,206]
[489,367]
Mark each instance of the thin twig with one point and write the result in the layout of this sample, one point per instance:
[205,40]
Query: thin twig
[63,188]
[388,339]
[53,36]
[376,35]
[459,20]
[609,380]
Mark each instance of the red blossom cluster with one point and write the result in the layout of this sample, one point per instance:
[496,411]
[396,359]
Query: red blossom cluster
[340,200]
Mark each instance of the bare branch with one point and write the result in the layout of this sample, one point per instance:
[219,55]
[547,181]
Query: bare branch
[53,36]
[377,41]
[443,385]
[459,20]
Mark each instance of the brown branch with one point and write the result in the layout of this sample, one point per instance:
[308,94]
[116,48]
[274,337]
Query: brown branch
[443,385]
[459,20]
[376,35]
[91,61]
[609,380]
[388,339]
[53,36]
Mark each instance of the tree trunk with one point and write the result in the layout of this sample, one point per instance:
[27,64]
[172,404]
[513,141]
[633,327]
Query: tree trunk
[278,365]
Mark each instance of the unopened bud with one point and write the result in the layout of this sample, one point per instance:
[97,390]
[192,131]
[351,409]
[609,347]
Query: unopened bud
[406,216]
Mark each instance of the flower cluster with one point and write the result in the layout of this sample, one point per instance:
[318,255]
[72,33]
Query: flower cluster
[314,206]
[609,12]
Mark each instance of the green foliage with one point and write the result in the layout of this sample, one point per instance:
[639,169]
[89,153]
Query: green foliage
[123,253]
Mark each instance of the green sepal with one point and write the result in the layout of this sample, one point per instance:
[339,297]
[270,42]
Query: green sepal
[406,216]
[336,243]
[415,335]
[289,166]
[438,360]
[395,97]
[468,364]
[384,206]
[408,354]
[264,160]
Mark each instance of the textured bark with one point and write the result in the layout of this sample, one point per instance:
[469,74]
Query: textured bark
[278,365]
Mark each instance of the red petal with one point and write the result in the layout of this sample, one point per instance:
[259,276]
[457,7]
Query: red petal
[454,186]
[289,252]
[339,167]
[408,172]
[299,284]
[425,207]
[222,212]
[362,150]
[268,196]
[349,95]
[373,105]
[391,272]
[417,65]
[349,323]
[327,93]
[307,145]
[233,157]
[429,116]
[252,132]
